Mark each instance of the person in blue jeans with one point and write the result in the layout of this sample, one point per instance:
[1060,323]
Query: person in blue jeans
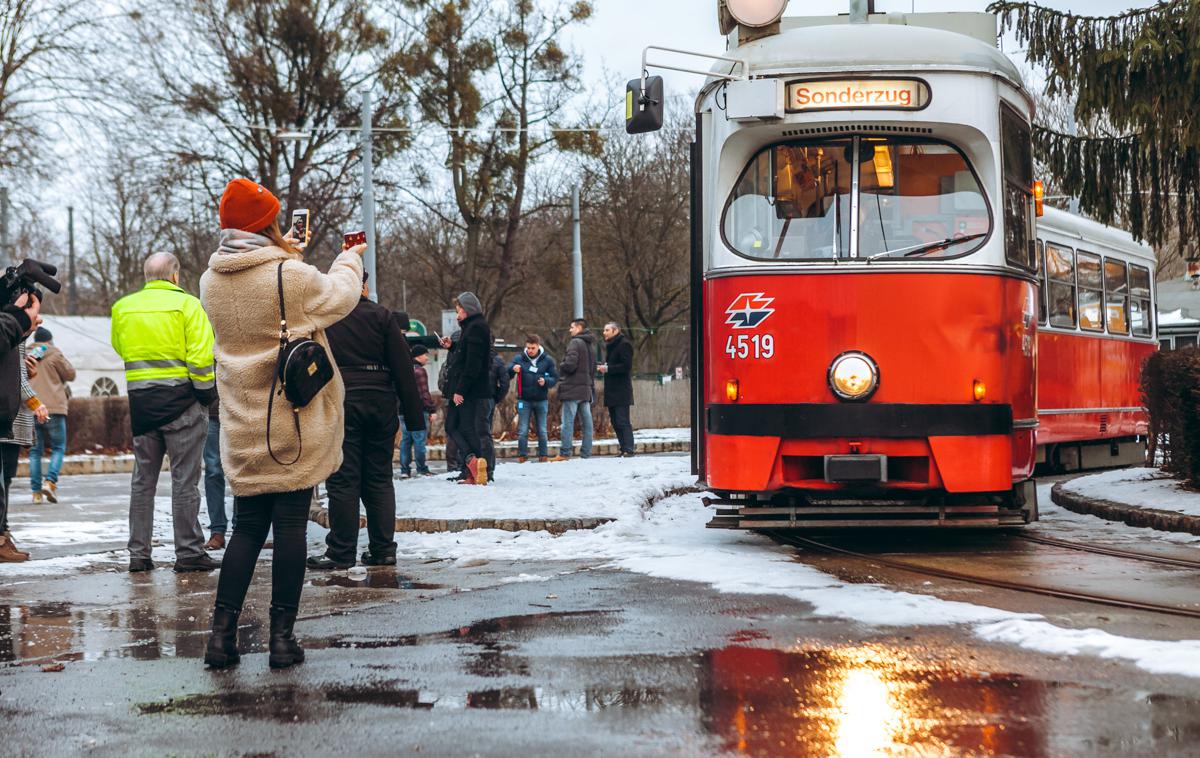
[412,444]
[49,376]
[535,373]
[214,483]
[577,389]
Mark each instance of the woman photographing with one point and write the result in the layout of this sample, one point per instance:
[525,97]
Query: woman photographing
[272,458]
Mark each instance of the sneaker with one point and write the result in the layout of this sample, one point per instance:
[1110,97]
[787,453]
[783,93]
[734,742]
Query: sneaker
[370,559]
[473,469]
[325,563]
[215,542]
[37,498]
[561,458]
[50,490]
[405,475]
[481,471]
[426,472]
[543,458]
[521,459]
[140,564]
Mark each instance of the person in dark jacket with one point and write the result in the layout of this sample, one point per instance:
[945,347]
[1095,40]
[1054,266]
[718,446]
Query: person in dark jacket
[618,384]
[470,388]
[412,442]
[536,373]
[377,368]
[17,321]
[576,389]
[500,381]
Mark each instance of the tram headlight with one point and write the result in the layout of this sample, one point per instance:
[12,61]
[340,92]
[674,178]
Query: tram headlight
[853,376]
[756,12]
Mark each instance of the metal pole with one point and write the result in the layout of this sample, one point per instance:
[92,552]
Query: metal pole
[4,225]
[368,199]
[576,252]
[859,11]
[72,294]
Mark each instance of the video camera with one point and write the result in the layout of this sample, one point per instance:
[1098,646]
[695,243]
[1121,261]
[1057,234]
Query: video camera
[25,277]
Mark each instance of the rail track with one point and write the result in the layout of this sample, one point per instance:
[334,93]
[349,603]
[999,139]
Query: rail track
[1134,555]
[1037,589]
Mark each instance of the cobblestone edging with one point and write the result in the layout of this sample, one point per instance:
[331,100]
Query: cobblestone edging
[123,463]
[1166,521]
[320,516]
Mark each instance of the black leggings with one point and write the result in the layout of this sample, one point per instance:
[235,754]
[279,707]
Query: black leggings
[287,512]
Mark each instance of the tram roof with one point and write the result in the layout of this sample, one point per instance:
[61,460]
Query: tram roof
[1086,230]
[872,47]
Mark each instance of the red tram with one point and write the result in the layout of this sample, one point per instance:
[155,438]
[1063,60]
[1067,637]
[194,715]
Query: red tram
[884,332]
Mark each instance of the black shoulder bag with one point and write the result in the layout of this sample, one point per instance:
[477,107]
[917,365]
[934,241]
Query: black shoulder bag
[301,371]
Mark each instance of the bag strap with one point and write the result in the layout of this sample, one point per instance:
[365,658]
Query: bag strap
[283,340]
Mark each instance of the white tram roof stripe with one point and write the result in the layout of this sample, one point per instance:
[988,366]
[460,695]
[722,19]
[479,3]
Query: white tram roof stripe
[1086,234]
[870,48]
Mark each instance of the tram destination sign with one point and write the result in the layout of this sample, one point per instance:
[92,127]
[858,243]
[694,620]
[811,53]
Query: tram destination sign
[857,94]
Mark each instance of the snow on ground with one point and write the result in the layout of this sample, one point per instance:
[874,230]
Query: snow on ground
[1141,487]
[1063,524]
[668,540]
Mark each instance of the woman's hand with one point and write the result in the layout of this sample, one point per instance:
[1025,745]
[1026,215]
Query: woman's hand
[357,249]
[445,342]
[42,414]
[290,238]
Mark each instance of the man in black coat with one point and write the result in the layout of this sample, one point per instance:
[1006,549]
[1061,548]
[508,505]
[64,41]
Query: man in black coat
[471,388]
[377,368]
[17,320]
[618,384]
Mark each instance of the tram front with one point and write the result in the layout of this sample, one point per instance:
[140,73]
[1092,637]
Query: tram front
[864,272]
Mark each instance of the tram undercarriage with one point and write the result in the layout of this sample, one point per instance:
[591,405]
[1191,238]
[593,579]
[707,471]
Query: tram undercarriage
[795,509]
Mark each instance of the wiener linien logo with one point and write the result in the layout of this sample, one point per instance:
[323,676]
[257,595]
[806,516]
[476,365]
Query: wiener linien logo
[748,310]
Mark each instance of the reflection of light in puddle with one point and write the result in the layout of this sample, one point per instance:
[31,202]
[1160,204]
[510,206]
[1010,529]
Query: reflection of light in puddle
[867,717]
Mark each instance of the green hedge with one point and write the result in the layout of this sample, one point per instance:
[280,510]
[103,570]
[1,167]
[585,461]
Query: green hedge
[1171,394]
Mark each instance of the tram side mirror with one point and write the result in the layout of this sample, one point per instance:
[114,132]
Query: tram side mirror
[644,110]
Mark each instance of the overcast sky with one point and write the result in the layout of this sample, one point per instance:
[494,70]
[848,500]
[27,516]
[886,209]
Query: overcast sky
[619,29]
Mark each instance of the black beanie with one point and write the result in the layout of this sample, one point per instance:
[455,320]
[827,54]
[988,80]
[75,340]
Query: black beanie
[42,335]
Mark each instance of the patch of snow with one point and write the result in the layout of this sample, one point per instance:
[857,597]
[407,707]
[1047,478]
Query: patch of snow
[1151,655]
[520,578]
[1141,487]
[1175,318]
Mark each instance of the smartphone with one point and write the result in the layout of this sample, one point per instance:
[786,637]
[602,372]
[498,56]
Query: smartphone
[354,238]
[300,226]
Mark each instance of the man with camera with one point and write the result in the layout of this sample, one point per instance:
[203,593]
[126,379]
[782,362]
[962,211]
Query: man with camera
[17,320]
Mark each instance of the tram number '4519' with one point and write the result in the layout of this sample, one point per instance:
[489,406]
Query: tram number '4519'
[750,346]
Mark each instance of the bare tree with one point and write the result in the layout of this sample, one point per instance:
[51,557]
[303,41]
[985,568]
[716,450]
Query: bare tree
[498,84]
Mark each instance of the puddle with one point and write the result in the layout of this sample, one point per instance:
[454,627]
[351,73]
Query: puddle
[374,579]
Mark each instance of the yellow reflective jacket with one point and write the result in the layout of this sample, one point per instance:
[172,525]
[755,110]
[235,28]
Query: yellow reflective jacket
[166,341]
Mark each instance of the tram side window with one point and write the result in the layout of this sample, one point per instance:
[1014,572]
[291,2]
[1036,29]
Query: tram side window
[1041,282]
[1017,155]
[1060,292]
[1116,296]
[1140,310]
[1091,292]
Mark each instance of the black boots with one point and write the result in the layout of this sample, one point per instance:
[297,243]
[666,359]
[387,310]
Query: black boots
[222,644]
[285,651]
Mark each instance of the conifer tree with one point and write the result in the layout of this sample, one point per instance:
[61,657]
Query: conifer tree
[1135,79]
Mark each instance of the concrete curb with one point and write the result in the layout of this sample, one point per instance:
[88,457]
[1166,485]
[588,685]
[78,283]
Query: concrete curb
[123,463]
[320,516]
[1166,521]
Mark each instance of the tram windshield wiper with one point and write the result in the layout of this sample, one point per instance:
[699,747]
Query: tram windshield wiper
[923,247]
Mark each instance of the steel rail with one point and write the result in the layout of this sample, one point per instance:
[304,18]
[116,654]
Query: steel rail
[990,582]
[1116,552]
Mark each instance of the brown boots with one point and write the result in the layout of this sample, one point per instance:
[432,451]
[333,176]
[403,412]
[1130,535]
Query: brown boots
[9,552]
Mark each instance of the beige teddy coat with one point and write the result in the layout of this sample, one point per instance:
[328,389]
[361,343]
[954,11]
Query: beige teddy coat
[239,293]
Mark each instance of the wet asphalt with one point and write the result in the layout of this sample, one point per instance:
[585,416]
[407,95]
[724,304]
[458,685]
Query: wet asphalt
[434,658]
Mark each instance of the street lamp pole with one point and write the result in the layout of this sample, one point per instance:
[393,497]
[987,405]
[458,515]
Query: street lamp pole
[368,198]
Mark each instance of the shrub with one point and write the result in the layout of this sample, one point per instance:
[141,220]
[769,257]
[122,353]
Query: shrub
[1171,394]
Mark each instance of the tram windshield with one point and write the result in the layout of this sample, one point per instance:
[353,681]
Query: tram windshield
[913,200]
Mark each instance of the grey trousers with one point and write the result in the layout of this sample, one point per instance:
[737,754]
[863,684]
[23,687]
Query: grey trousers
[183,440]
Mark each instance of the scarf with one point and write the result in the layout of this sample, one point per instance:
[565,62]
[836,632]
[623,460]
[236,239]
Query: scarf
[234,241]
